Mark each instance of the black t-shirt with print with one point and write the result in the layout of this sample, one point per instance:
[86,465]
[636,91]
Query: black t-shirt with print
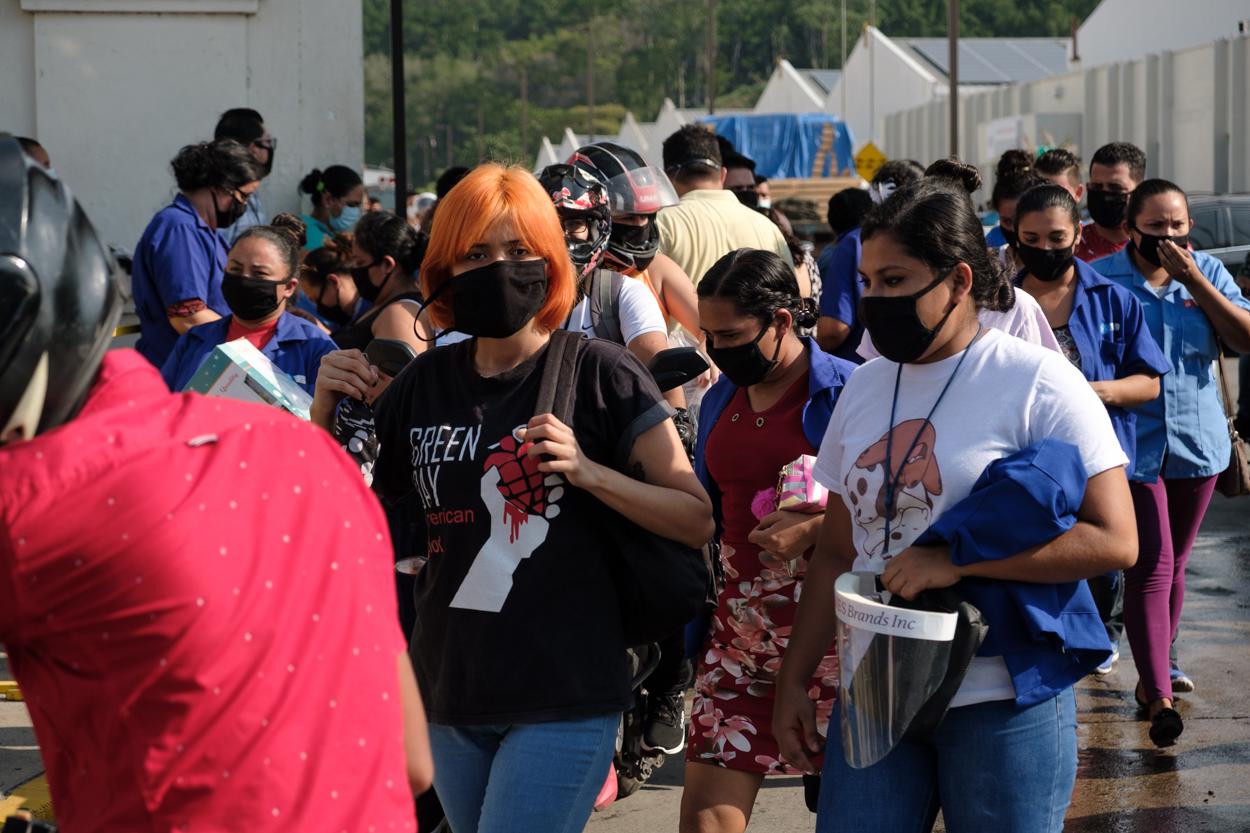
[517,619]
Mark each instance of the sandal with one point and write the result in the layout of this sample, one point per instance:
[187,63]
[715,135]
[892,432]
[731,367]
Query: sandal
[1166,727]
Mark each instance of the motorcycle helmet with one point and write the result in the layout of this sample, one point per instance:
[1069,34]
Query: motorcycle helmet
[580,196]
[634,188]
[59,299]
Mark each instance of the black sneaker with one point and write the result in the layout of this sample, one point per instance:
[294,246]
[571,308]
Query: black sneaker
[665,730]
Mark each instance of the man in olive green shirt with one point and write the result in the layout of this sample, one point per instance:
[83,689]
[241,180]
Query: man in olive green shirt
[709,222]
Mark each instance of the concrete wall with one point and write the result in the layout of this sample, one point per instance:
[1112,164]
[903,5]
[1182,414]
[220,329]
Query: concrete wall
[1187,109]
[788,92]
[113,90]
[879,69]
[1123,30]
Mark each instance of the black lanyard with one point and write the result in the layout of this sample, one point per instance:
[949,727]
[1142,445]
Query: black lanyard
[892,478]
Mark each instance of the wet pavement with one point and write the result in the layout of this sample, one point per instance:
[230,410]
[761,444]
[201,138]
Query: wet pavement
[1124,784]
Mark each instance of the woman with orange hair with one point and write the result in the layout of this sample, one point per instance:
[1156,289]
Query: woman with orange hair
[518,645]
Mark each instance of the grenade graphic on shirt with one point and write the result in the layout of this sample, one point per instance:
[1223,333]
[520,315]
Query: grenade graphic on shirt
[521,501]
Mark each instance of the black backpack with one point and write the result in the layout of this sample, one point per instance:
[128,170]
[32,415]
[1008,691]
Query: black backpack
[661,584]
[605,305]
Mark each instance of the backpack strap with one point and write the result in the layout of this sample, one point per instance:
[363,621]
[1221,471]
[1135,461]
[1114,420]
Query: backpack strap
[559,375]
[605,305]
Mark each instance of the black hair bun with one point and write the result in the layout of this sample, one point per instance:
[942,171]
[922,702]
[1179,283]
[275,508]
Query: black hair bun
[196,166]
[952,168]
[1013,161]
[806,314]
[291,227]
[308,184]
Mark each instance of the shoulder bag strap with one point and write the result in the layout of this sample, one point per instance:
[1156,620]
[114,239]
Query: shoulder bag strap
[1226,397]
[559,373]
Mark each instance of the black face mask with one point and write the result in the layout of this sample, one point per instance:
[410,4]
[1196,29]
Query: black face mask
[367,288]
[1107,208]
[747,196]
[745,364]
[1045,264]
[497,300]
[1149,246]
[227,218]
[630,242]
[895,326]
[1009,234]
[250,299]
[331,314]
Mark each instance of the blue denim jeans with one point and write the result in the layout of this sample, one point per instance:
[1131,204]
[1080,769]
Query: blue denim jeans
[534,776]
[990,768]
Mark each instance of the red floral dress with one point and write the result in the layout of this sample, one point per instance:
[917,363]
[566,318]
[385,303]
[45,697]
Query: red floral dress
[731,722]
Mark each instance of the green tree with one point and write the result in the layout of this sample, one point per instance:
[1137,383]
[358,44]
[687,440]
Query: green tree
[494,76]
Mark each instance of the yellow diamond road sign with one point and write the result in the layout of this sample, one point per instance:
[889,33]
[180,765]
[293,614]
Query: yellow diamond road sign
[869,160]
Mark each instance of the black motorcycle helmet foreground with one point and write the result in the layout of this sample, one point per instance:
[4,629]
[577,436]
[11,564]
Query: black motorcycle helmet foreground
[580,196]
[634,188]
[59,299]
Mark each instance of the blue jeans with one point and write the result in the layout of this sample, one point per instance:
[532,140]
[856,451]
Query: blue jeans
[990,768]
[522,777]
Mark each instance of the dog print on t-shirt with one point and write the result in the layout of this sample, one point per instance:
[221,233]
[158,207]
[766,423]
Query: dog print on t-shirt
[910,448]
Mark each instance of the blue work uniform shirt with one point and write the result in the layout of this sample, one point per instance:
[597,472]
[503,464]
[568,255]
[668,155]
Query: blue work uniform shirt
[840,291]
[1184,432]
[178,258]
[315,232]
[296,349]
[1109,328]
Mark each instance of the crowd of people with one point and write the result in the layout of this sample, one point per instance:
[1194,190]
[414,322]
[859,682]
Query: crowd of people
[216,637]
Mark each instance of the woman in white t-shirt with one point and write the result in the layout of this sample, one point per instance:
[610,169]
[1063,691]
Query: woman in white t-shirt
[948,398]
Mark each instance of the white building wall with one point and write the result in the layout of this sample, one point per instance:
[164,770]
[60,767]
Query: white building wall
[788,92]
[113,90]
[17,68]
[878,68]
[1124,30]
[1187,109]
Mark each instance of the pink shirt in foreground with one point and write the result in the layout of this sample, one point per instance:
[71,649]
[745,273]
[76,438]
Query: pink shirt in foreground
[198,601]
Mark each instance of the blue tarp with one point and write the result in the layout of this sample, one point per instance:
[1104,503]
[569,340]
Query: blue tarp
[785,146]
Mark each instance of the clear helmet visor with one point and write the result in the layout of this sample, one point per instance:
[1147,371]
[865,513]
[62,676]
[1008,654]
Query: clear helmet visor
[892,662]
[640,191]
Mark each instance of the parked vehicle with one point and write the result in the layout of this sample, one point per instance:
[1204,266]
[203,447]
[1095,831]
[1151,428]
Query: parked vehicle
[1222,227]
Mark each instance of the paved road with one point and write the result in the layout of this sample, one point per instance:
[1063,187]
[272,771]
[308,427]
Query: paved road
[19,756]
[1124,785]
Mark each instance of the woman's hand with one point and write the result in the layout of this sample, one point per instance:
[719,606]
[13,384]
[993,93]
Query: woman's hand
[920,568]
[551,437]
[786,534]
[1179,263]
[794,726]
[342,373]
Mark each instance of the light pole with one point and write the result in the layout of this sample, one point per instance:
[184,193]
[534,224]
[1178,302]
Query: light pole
[952,36]
[399,127]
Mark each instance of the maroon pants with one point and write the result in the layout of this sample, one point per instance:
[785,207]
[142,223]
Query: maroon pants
[1169,513]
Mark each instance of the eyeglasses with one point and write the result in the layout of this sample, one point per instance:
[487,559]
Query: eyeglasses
[239,197]
[270,144]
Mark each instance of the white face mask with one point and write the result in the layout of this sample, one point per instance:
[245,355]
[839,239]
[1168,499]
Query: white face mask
[764,204]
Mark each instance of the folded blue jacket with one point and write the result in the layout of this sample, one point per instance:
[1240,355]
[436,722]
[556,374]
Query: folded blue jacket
[1050,635]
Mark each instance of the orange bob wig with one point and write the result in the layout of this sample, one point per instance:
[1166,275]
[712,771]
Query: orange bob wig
[489,196]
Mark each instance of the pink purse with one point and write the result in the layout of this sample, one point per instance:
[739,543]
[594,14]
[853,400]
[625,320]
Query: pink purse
[797,489]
